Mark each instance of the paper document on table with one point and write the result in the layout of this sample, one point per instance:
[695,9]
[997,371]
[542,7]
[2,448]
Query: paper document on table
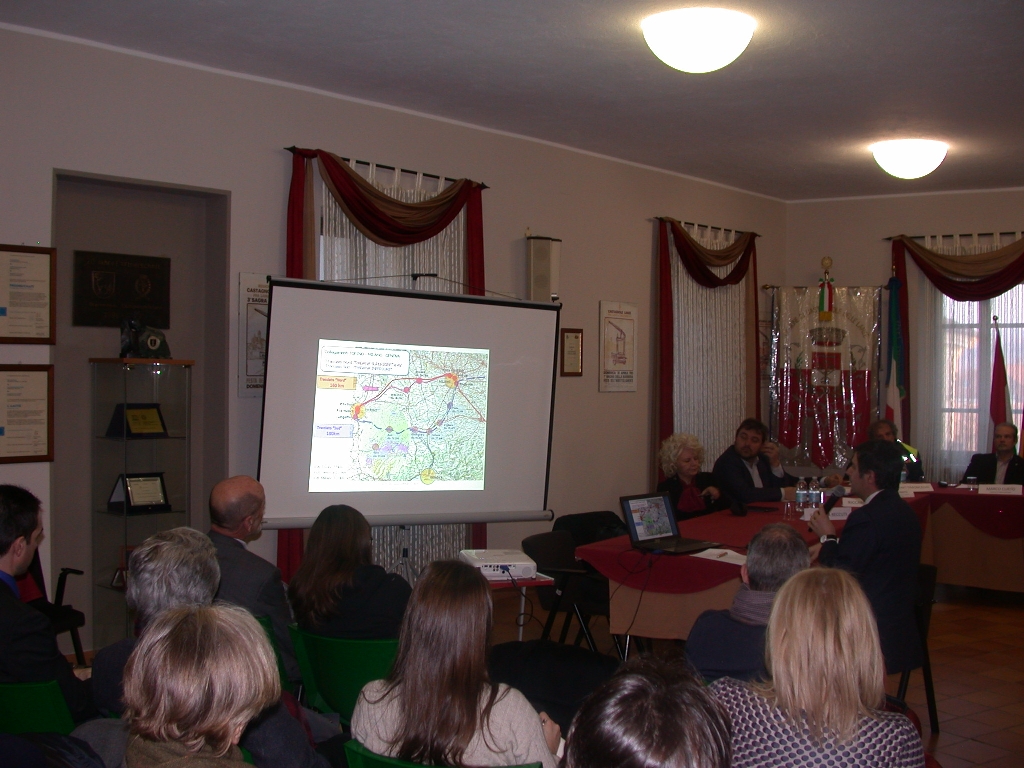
[723,556]
[906,493]
[852,501]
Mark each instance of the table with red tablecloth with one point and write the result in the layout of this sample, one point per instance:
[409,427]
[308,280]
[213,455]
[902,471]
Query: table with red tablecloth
[976,540]
[662,595]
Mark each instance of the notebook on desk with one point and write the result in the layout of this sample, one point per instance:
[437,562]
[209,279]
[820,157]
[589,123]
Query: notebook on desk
[652,526]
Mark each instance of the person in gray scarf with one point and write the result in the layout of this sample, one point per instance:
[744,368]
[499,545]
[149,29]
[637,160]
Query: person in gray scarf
[730,643]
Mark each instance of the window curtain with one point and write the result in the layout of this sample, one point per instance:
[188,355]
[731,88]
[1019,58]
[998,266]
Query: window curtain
[708,378]
[956,287]
[390,223]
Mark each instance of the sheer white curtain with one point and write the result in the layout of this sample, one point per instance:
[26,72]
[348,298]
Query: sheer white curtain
[347,255]
[951,349]
[709,380]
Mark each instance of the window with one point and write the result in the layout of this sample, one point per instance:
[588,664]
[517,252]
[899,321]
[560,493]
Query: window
[968,340]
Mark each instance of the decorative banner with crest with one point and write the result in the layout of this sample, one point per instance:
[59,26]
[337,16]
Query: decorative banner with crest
[824,370]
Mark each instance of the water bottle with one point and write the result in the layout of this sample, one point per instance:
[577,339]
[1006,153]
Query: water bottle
[814,496]
[801,494]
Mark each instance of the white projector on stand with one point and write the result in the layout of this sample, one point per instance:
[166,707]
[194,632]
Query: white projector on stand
[500,564]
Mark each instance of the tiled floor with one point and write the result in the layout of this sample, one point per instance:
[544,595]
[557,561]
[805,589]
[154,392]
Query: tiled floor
[977,651]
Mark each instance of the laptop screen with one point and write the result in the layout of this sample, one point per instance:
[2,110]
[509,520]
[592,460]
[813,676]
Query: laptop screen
[649,517]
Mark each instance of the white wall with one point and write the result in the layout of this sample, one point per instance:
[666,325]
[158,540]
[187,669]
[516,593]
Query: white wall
[853,231]
[85,109]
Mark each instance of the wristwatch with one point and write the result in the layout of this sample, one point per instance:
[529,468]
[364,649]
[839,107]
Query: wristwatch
[828,537]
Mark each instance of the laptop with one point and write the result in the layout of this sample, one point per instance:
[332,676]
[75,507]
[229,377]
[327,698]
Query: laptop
[652,525]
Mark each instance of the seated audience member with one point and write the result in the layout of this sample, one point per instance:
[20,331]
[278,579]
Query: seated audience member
[650,713]
[170,569]
[197,677]
[881,546]
[886,430]
[751,470]
[821,704]
[236,516]
[1003,466]
[28,647]
[731,643]
[438,705]
[337,590]
[692,492]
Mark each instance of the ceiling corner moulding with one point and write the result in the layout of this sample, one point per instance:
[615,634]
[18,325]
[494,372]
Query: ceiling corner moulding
[909,158]
[698,40]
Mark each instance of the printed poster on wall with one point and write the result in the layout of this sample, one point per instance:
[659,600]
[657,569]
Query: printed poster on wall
[618,347]
[253,300]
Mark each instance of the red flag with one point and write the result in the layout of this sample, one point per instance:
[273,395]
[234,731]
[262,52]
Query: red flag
[999,408]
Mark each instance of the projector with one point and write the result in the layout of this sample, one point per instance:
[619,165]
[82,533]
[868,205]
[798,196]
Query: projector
[500,564]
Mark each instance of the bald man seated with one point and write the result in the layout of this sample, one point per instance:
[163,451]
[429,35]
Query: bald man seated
[236,517]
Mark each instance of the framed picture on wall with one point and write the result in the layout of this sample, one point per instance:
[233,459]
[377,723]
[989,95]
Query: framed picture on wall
[26,413]
[571,361]
[28,283]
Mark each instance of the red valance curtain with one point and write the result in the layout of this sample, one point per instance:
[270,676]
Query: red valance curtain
[697,259]
[968,277]
[387,222]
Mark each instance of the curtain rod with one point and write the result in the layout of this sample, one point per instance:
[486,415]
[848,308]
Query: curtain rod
[392,168]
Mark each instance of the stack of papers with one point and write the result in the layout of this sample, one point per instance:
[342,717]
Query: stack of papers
[723,556]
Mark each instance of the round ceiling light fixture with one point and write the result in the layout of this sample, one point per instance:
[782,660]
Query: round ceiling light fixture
[698,39]
[909,158]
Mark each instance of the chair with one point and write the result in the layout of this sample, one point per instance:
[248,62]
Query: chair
[360,757]
[577,591]
[925,597]
[34,708]
[334,671]
[588,527]
[268,628]
[64,618]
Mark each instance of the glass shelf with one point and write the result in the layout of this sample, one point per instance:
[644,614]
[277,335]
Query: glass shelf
[117,384]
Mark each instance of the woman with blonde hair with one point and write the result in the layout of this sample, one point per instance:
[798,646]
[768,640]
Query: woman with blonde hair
[693,492]
[438,706]
[196,678]
[822,703]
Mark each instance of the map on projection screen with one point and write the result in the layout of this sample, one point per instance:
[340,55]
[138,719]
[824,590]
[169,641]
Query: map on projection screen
[392,417]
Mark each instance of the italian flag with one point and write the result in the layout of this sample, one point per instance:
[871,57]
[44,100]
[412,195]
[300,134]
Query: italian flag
[895,381]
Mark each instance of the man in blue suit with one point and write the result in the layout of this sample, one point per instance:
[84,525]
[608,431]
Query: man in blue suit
[881,546]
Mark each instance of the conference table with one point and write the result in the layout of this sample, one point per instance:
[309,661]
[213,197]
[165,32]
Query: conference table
[661,596]
[975,540]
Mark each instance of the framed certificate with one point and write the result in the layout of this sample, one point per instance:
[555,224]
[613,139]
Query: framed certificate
[137,421]
[26,413]
[139,494]
[572,352]
[28,283]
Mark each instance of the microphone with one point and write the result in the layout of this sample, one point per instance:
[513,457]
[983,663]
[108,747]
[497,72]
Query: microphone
[833,498]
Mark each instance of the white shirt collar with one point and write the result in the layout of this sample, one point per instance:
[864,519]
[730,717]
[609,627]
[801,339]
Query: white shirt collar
[869,498]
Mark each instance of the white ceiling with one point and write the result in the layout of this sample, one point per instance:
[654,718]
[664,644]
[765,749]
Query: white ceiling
[790,118]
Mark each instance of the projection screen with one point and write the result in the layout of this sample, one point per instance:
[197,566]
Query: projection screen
[412,407]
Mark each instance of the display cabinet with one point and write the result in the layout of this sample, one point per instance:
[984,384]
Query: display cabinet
[141,436]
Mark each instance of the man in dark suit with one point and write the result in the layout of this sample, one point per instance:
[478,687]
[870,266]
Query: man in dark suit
[881,546]
[28,647]
[730,643]
[236,517]
[751,470]
[1003,466]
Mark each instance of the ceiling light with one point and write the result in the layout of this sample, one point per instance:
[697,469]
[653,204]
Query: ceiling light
[909,158]
[698,39]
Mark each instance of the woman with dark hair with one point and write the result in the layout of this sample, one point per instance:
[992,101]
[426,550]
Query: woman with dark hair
[337,590]
[651,712]
[438,706]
